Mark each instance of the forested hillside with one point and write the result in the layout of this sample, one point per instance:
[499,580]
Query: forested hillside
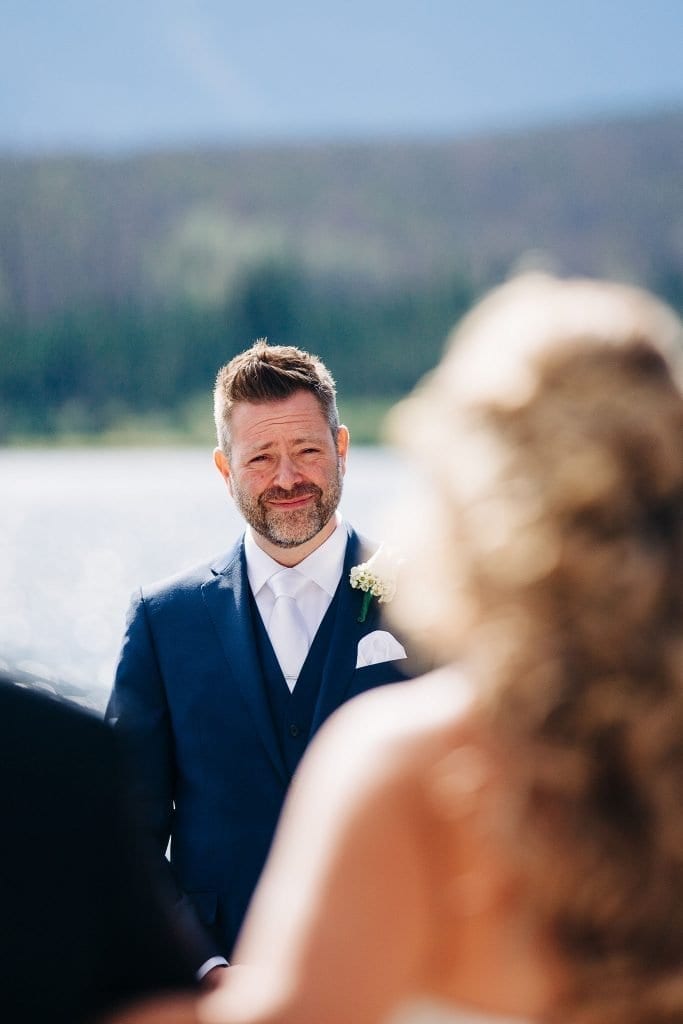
[125,282]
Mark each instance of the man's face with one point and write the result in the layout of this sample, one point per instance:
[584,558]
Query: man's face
[285,470]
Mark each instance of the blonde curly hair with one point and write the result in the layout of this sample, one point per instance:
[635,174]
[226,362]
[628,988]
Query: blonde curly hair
[550,562]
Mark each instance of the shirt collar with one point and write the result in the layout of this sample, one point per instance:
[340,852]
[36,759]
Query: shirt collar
[324,565]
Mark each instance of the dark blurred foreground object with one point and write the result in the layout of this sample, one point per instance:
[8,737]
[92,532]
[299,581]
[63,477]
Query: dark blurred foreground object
[36,676]
[84,929]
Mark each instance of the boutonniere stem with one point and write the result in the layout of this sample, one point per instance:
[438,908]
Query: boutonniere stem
[365,607]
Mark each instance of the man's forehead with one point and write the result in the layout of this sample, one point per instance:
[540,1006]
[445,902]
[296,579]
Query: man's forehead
[299,417]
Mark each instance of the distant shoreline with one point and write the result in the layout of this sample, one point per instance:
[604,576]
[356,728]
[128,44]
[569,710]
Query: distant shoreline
[363,416]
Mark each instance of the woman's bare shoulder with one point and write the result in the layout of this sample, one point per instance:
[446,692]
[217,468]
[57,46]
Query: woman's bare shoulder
[378,738]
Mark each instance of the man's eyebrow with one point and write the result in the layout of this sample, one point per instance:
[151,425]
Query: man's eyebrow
[252,448]
[316,439]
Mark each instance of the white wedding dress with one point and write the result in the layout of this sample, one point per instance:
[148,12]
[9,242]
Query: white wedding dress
[425,1011]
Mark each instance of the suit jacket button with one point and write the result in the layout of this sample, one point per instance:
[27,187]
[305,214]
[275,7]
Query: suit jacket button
[294,730]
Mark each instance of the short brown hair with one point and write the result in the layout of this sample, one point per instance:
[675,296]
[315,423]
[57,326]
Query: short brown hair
[271,373]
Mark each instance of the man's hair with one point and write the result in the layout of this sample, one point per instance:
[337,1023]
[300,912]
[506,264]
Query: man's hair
[271,373]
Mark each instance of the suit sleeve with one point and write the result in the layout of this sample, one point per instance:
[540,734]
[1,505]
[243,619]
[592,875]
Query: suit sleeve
[138,710]
[146,943]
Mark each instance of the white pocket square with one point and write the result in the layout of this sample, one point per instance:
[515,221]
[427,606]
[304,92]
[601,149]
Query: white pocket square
[377,647]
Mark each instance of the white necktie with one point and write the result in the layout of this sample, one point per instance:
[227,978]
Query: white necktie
[286,626]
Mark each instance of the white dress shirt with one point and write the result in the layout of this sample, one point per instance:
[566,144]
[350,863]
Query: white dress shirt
[323,568]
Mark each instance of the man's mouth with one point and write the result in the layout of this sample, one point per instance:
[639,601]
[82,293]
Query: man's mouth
[290,502]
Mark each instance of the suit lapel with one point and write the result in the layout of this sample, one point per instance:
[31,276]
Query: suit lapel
[340,663]
[227,600]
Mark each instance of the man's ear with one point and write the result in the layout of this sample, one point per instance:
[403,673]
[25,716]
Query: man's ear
[343,438]
[223,466]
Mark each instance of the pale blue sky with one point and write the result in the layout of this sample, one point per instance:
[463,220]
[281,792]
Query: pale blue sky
[94,74]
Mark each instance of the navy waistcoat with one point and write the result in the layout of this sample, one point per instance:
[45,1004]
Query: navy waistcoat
[292,712]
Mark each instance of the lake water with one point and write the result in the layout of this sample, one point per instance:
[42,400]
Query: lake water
[80,529]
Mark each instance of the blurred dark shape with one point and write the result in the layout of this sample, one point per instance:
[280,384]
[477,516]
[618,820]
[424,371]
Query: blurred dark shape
[84,929]
[39,678]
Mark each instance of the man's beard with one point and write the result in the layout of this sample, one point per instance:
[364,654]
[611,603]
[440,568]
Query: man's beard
[287,528]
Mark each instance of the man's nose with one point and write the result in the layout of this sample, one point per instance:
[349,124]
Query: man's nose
[287,473]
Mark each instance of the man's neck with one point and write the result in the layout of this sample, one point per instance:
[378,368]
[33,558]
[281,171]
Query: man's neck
[290,557]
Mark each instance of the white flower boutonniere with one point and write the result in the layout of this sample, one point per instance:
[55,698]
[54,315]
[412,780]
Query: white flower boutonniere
[376,577]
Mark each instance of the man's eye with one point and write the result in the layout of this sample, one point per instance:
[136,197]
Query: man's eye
[310,451]
[257,458]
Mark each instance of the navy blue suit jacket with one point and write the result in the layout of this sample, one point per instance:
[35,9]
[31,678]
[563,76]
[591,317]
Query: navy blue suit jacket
[190,696]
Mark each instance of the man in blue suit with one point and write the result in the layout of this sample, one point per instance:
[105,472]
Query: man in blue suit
[227,671]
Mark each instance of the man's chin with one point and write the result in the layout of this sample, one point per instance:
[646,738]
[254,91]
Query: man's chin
[287,539]
[293,534]
[282,542]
